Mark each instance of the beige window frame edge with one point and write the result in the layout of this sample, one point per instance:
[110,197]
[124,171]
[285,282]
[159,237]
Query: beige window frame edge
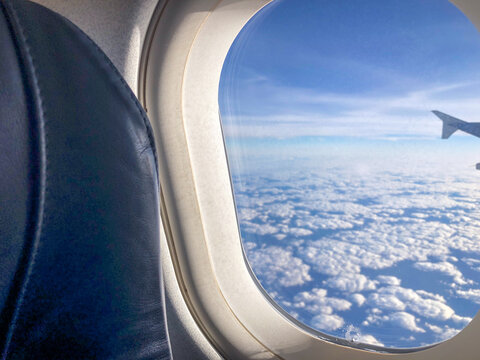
[183,56]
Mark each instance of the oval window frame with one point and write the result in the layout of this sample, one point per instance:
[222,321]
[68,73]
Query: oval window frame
[184,51]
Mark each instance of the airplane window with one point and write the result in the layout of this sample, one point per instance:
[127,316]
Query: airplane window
[358,205]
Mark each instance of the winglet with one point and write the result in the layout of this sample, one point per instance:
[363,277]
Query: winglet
[450,124]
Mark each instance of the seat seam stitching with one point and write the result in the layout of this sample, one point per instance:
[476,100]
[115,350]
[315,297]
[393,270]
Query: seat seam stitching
[40,116]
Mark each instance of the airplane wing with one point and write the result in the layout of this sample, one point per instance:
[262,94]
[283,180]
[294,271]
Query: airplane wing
[450,124]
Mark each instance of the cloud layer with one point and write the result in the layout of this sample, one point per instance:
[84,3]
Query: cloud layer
[390,254]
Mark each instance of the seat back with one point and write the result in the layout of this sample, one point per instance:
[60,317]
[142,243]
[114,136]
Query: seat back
[79,199]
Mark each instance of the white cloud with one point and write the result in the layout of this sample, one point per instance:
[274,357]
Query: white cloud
[442,333]
[462,320]
[377,247]
[436,329]
[350,283]
[406,321]
[246,214]
[389,280]
[316,301]
[420,302]
[327,322]
[428,295]
[282,209]
[400,319]
[358,299]
[368,339]
[327,259]
[432,309]
[448,333]
[386,301]
[276,265]
[471,294]
[442,267]
[259,229]
[300,232]
[355,335]
[473,263]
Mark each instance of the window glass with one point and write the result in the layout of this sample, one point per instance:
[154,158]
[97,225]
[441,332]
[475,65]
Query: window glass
[355,215]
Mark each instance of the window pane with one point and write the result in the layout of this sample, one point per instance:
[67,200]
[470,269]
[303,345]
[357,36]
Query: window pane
[356,217]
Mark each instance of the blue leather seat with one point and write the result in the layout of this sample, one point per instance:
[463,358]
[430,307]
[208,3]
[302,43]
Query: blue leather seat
[79,214]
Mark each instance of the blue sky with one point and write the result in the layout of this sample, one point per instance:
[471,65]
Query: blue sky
[351,68]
